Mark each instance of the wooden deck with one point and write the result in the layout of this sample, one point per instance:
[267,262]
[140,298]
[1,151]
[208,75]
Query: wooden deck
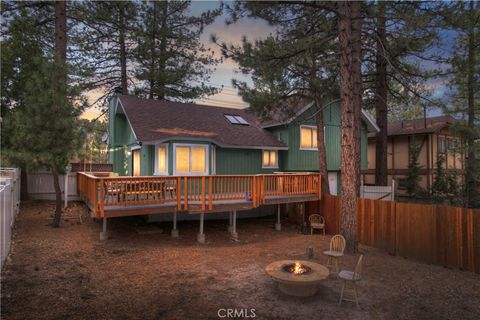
[109,196]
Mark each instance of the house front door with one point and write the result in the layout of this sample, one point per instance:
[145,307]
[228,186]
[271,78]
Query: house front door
[136,162]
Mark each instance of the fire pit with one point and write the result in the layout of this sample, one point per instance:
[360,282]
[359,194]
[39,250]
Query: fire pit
[297,278]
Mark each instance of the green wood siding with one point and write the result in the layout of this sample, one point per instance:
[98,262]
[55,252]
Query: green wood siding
[147,155]
[240,161]
[120,140]
[307,160]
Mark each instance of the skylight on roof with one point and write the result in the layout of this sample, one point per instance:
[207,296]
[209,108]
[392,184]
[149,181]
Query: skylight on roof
[235,119]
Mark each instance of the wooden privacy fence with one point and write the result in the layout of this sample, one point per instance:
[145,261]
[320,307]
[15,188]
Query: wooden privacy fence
[442,235]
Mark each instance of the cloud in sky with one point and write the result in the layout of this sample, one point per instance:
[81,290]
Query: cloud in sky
[231,34]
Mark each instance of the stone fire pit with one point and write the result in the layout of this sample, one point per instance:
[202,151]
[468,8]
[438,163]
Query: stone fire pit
[297,278]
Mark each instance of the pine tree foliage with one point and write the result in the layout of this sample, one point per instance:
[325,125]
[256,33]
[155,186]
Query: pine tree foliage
[413,178]
[445,188]
[23,38]
[103,39]
[464,19]
[171,62]
[397,38]
[296,66]
[411,30]
[45,136]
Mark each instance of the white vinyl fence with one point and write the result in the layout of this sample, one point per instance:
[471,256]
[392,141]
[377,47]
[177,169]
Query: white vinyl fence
[9,208]
[40,186]
[378,192]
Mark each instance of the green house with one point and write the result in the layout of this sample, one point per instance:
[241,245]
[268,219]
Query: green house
[153,137]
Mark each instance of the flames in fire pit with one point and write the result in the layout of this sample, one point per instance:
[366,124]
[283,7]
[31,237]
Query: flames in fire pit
[297,268]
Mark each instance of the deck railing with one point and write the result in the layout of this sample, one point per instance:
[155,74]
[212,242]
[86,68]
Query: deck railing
[101,191]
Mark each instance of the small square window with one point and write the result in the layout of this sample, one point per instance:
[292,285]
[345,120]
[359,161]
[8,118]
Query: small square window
[308,138]
[270,159]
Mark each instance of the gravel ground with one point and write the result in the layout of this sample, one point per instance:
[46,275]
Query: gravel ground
[67,273]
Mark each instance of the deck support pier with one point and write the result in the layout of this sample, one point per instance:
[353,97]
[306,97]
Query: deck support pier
[278,225]
[104,233]
[230,215]
[234,225]
[175,230]
[201,235]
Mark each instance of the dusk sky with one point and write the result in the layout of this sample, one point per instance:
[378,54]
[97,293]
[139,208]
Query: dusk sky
[226,71]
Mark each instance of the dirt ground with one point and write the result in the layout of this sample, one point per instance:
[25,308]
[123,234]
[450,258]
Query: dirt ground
[67,273]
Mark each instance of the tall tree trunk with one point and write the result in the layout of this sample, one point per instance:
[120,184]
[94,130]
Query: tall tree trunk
[123,50]
[61,33]
[322,154]
[349,25]
[381,169]
[162,59]
[152,51]
[58,199]
[471,161]
[59,85]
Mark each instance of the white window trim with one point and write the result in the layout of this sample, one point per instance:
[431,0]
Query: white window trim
[155,172]
[214,160]
[276,157]
[300,137]
[207,159]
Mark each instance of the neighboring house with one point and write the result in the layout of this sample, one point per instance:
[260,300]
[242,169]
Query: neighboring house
[434,136]
[153,137]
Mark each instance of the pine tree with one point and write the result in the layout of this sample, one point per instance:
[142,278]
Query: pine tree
[413,178]
[103,35]
[41,112]
[398,35]
[171,61]
[464,19]
[440,186]
[294,67]
[350,30]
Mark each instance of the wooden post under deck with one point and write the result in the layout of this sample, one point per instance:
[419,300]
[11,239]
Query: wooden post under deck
[230,221]
[104,233]
[175,230]
[234,225]
[201,235]
[278,225]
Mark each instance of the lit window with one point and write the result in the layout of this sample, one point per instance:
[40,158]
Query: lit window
[136,162]
[234,119]
[199,156]
[191,159]
[270,159]
[161,160]
[308,137]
